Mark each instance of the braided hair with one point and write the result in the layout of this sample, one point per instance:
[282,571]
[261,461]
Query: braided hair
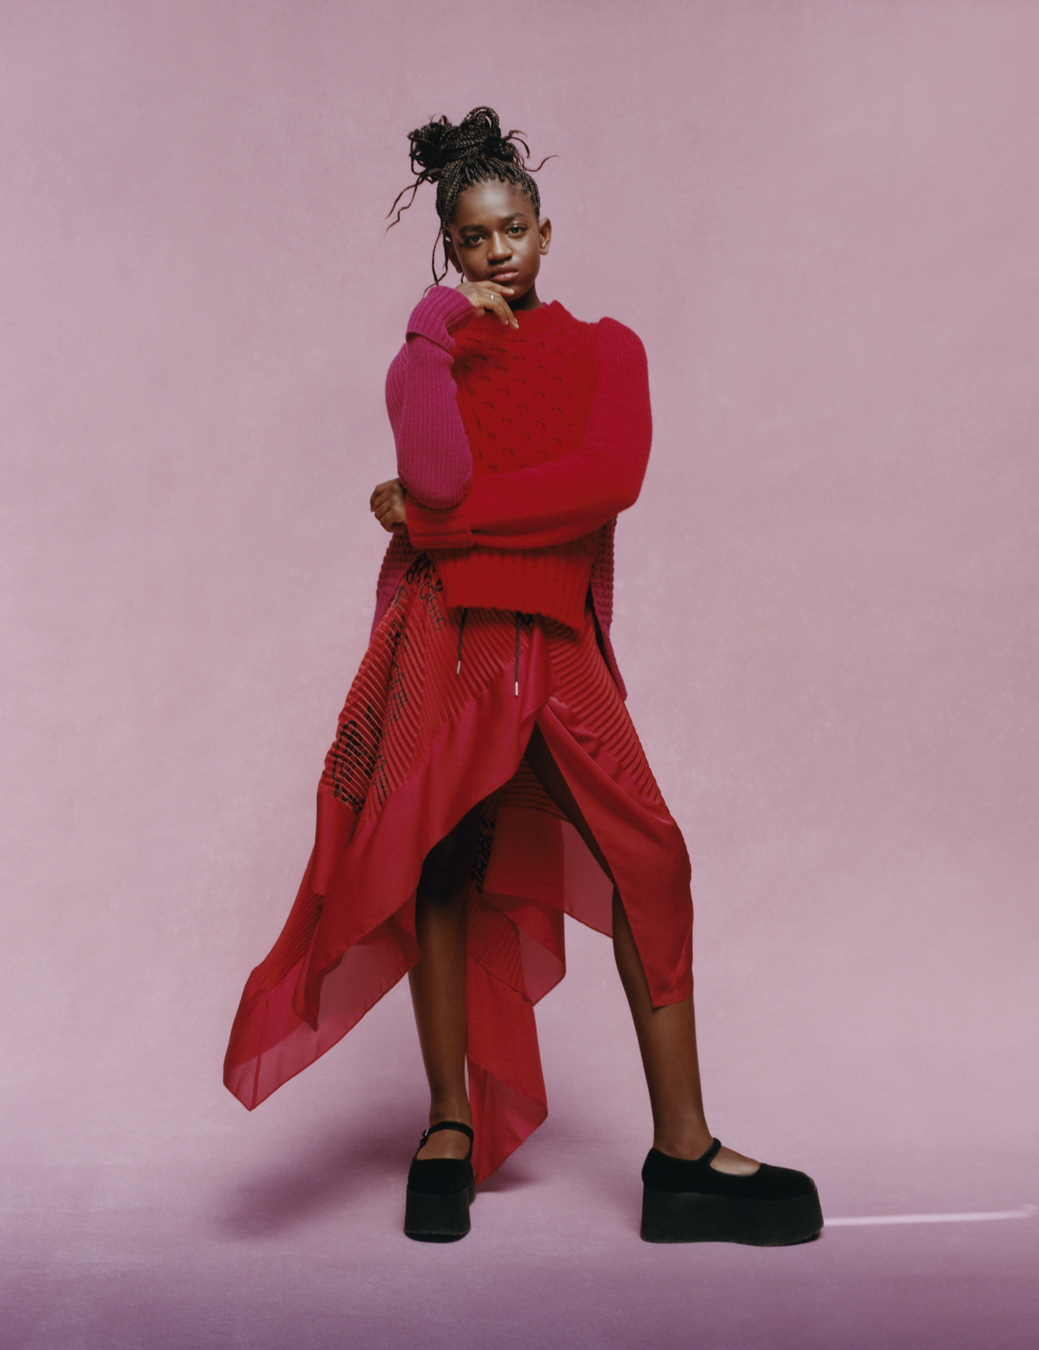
[457,157]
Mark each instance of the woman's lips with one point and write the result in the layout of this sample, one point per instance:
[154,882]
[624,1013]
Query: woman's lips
[505,276]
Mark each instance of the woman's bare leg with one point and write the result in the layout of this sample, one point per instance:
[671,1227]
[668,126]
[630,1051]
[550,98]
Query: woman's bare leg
[666,1036]
[438,983]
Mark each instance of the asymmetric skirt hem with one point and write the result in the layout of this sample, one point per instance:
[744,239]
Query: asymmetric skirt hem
[419,744]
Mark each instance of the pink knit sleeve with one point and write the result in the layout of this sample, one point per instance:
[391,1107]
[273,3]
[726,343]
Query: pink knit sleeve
[557,502]
[433,457]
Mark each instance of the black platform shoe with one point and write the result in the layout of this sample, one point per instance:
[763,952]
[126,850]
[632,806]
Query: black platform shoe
[689,1201]
[440,1191]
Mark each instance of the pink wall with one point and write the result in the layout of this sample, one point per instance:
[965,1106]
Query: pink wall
[821,219]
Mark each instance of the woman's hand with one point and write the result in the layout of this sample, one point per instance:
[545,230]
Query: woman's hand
[490,296]
[387,504]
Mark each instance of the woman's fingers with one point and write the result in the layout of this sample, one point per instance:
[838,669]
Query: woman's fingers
[387,505]
[479,293]
[384,491]
[492,297]
[499,307]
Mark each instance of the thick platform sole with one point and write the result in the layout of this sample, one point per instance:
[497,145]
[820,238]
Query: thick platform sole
[687,1216]
[438,1218]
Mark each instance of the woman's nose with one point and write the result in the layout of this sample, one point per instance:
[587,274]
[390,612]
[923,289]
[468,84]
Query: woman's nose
[499,246]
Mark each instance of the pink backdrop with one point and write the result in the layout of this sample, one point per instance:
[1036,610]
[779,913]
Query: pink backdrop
[821,219]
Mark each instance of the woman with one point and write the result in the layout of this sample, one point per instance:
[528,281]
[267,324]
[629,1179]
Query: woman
[485,776]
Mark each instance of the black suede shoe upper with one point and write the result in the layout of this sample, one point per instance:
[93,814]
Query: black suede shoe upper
[442,1176]
[439,1176]
[661,1172]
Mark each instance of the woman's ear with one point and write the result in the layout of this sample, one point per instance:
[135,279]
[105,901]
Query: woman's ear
[451,256]
[545,233]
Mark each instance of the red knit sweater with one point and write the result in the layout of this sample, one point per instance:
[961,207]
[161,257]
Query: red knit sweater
[517,448]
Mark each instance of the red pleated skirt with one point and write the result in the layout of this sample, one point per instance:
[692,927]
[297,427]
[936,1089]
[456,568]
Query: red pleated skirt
[419,743]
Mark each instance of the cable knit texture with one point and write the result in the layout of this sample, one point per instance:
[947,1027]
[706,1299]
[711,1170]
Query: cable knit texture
[517,448]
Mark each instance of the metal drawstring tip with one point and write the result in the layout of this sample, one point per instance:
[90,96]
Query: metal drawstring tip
[461,631]
[517,651]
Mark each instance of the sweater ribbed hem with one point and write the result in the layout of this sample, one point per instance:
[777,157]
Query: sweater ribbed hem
[552,582]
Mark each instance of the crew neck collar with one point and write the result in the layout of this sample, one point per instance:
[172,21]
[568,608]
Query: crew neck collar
[547,314]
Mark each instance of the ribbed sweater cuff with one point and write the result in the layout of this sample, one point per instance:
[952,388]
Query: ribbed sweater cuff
[428,528]
[440,312]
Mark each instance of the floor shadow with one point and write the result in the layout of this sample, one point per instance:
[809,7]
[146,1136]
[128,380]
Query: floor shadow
[333,1174]
[341,1171]
[510,1176]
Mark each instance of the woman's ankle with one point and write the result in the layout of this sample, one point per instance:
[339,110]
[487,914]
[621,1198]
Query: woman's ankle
[691,1143]
[447,1143]
[451,1110]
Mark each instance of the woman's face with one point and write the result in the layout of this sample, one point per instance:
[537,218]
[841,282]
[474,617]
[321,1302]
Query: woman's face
[495,235]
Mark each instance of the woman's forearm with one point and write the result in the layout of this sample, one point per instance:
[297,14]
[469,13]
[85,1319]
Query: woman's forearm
[559,501]
[433,457]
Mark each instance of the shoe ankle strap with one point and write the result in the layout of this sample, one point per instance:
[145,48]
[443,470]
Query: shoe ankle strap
[448,1125]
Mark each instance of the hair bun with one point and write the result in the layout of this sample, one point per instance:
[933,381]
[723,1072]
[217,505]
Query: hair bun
[429,148]
[439,143]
